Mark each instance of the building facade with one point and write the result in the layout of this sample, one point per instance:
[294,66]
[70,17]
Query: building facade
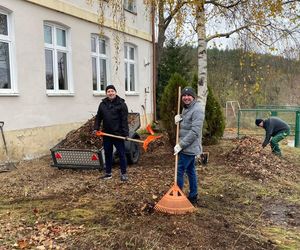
[54,67]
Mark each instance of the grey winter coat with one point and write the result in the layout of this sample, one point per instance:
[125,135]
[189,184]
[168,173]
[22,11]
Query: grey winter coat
[190,133]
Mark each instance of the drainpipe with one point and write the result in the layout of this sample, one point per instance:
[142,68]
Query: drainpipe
[154,62]
[297,130]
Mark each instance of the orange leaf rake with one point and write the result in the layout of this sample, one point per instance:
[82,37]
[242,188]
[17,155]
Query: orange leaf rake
[146,142]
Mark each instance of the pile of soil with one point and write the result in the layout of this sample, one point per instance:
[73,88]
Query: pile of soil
[83,137]
[251,160]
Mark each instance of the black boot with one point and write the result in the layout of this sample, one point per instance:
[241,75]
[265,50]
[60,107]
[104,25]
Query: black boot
[193,199]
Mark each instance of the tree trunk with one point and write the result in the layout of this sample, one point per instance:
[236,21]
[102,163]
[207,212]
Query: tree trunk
[159,47]
[202,56]
[161,33]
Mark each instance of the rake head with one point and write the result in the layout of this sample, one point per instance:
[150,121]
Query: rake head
[149,139]
[174,202]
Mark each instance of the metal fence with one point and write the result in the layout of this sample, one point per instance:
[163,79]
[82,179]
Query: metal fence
[246,120]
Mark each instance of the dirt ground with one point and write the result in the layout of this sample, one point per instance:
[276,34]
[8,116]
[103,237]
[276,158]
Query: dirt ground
[248,199]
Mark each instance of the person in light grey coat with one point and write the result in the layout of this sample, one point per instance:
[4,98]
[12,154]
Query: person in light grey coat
[190,139]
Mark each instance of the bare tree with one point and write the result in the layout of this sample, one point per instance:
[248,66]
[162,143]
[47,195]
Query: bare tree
[258,24]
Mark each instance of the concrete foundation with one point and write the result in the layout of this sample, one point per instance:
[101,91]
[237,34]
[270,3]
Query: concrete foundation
[33,143]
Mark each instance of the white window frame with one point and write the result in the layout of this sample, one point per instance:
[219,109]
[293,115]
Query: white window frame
[9,39]
[129,62]
[130,5]
[98,55]
[57,48]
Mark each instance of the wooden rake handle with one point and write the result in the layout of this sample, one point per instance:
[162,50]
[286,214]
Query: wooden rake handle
[100,133]
[177,132]
[146,142]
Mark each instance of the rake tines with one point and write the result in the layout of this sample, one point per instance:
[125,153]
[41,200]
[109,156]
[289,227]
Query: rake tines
[174,202]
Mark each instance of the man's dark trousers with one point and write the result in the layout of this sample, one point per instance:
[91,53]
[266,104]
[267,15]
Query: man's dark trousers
[108,144]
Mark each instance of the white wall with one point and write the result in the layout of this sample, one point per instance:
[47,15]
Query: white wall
[32,108]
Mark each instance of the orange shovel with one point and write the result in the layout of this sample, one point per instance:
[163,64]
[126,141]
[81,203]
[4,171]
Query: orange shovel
[149,129]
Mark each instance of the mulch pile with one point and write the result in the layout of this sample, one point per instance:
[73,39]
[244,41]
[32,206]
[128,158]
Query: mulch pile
[83,138]
[251,160]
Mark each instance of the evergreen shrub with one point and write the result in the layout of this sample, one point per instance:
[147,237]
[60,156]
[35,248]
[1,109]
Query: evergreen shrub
[214,124]
[168,104]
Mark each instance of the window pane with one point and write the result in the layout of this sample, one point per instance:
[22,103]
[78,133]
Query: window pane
[103,76]
[5,81]
[49,69]
[129,5]
[125,52]
[102,46]
[61,37]
[131,55]
[132,77]
[3,25]
[126,77]
[94,68]
[47,34]
[93,44]
[62,71]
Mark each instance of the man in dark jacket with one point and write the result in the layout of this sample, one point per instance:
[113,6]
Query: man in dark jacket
[276,130]
[113,113]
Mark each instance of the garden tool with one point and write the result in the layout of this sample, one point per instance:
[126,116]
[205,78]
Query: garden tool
[149,129]
[148,126]
[8,165]
[146,142]
[174,201]
[204,158]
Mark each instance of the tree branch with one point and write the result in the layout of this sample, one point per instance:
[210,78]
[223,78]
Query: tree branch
[227,34]
[216,3]
[290,1]
[173,12]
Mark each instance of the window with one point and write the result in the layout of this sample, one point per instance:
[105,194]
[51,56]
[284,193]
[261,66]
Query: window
[7,83]
[100,65]
[130,5]
[57,59]
[130,68]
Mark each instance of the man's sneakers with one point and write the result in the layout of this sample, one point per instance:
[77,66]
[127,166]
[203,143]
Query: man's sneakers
[106,176]
[124,177]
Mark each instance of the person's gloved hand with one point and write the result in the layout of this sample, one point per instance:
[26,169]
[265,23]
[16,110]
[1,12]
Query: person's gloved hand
[177,119]
[177,149]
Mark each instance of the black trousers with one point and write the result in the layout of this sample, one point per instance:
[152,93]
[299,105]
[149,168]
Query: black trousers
[108,143]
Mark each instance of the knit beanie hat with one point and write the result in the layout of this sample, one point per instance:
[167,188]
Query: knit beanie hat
[258,121]
[110,87]
[188,91]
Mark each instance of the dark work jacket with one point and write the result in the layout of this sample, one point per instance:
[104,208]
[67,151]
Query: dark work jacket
[114,115]
[273,126]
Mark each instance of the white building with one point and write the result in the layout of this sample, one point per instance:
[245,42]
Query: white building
[54,67]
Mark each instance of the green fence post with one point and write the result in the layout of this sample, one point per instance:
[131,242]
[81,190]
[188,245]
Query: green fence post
[274,113]
[297,130]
